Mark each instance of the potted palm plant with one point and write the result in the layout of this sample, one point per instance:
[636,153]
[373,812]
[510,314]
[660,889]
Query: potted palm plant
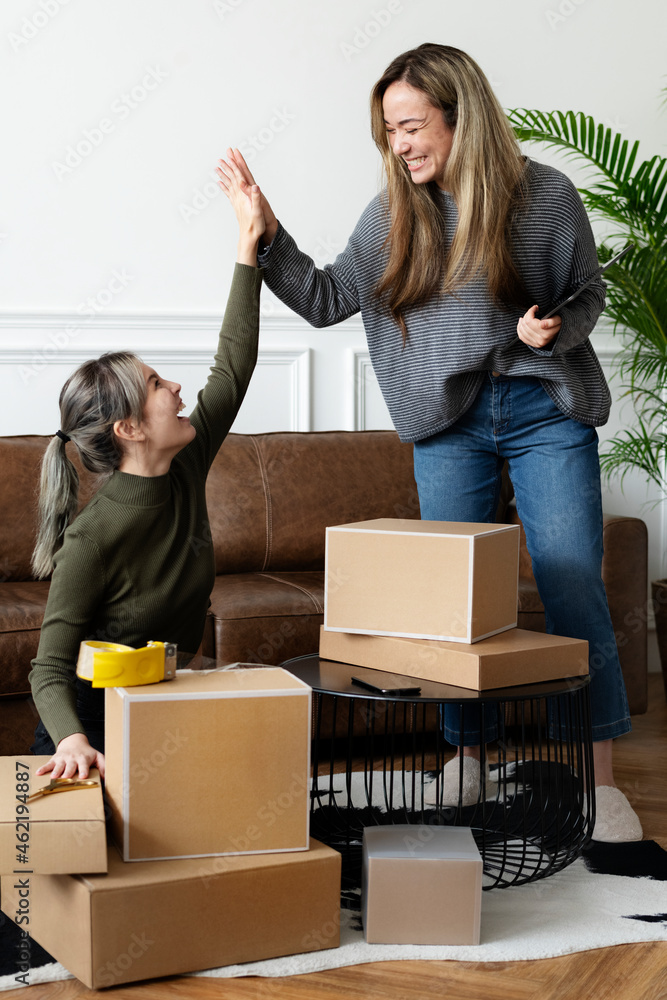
[630,197]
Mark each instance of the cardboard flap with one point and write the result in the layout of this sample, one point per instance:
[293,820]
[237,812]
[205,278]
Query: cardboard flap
[228,681]
[425,843]
[75,804]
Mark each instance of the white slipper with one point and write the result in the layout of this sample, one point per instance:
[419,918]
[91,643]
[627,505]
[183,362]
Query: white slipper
[470,790]
[615,819]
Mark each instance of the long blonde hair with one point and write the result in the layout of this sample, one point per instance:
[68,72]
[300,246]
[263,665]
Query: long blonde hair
[95,396]
[484,173]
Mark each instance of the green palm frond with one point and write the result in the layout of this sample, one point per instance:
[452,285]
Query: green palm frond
[632,197]
[578,135]
[643,448]
[637,296]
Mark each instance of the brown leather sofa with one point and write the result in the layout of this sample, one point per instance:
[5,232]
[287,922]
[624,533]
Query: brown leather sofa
[270,498]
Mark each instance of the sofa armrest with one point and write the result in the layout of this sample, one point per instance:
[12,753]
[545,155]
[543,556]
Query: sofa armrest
[625,575]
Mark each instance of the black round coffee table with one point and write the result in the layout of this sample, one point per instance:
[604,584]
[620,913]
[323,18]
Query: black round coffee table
[377,758]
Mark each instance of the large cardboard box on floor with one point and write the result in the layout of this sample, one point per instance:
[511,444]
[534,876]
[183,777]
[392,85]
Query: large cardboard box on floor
[422,579]
[515,657]
[213,762]
[163,918]
[57,833]
[421,885]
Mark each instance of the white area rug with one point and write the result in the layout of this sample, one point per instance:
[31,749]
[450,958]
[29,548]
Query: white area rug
[574,910]
[617,894]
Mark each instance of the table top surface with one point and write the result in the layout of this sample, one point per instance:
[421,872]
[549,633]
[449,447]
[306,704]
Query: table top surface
[330,677]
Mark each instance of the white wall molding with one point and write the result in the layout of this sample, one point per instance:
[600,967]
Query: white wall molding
[272,318]
[360,370]
[32,343]
[71,327]
[39,350]
[298,363]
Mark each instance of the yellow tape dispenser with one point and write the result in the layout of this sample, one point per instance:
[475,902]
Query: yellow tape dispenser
[110,664]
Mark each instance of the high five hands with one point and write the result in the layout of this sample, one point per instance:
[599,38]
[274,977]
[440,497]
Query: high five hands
[537,332]
[246,200]
[238,183]
[235,178]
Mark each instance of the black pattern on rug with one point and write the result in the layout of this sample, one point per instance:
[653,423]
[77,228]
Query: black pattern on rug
[536,796]
[13,945]
[643,859]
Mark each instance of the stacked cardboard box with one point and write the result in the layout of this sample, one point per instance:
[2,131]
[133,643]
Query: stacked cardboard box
[421,885]
[208,782]
[224,755]
[436,600]
[56,834]
[163,918]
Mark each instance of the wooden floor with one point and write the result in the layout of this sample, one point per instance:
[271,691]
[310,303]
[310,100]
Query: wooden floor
[625,972]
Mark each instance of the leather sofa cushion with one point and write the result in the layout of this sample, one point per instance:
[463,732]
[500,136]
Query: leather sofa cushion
[22,604]
[271,496]
[266,617]
[19,719]
[20,460]
[21,613]
[242,595]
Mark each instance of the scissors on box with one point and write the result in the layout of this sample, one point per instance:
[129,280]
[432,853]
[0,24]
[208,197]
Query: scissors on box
[63,785]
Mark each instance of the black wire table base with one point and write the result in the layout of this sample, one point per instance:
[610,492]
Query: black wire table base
[378,760]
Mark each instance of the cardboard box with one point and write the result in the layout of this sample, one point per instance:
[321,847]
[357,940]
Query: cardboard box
[421,885]
[422,579]
[214,762]
[515,657]
[163,918]
[58,833]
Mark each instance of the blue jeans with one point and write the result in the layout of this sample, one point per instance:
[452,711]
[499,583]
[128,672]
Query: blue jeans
[554,468]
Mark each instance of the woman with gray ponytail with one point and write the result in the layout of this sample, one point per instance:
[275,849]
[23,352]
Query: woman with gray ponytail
[123,568]
[98,394]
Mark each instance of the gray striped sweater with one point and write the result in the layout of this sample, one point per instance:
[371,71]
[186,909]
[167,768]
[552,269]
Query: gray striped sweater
[452,341]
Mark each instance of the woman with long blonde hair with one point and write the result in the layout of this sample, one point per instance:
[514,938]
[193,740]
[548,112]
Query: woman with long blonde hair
[449,266]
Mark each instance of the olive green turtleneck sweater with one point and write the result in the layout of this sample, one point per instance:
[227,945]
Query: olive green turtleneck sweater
[137,562]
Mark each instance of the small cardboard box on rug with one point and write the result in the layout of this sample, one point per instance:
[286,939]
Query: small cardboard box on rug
[514,657]
[213,762]
[421,885]
[422,579]
[58,833]
[164,918]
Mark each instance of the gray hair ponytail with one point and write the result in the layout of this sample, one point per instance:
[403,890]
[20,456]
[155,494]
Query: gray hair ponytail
[95,396]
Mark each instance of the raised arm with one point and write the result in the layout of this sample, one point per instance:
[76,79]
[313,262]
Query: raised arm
[322,297]
[220,400]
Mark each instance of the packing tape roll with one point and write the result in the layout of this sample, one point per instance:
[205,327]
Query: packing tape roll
[110,664]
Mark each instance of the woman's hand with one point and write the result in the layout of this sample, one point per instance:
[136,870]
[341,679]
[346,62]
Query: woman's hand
[245,199]
[235,158]
[73,758]
[537,332]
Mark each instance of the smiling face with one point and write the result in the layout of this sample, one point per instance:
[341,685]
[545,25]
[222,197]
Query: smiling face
[417,133]
[165,432]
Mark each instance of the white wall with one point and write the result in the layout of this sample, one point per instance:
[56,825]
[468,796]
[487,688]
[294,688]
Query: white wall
[128,243]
